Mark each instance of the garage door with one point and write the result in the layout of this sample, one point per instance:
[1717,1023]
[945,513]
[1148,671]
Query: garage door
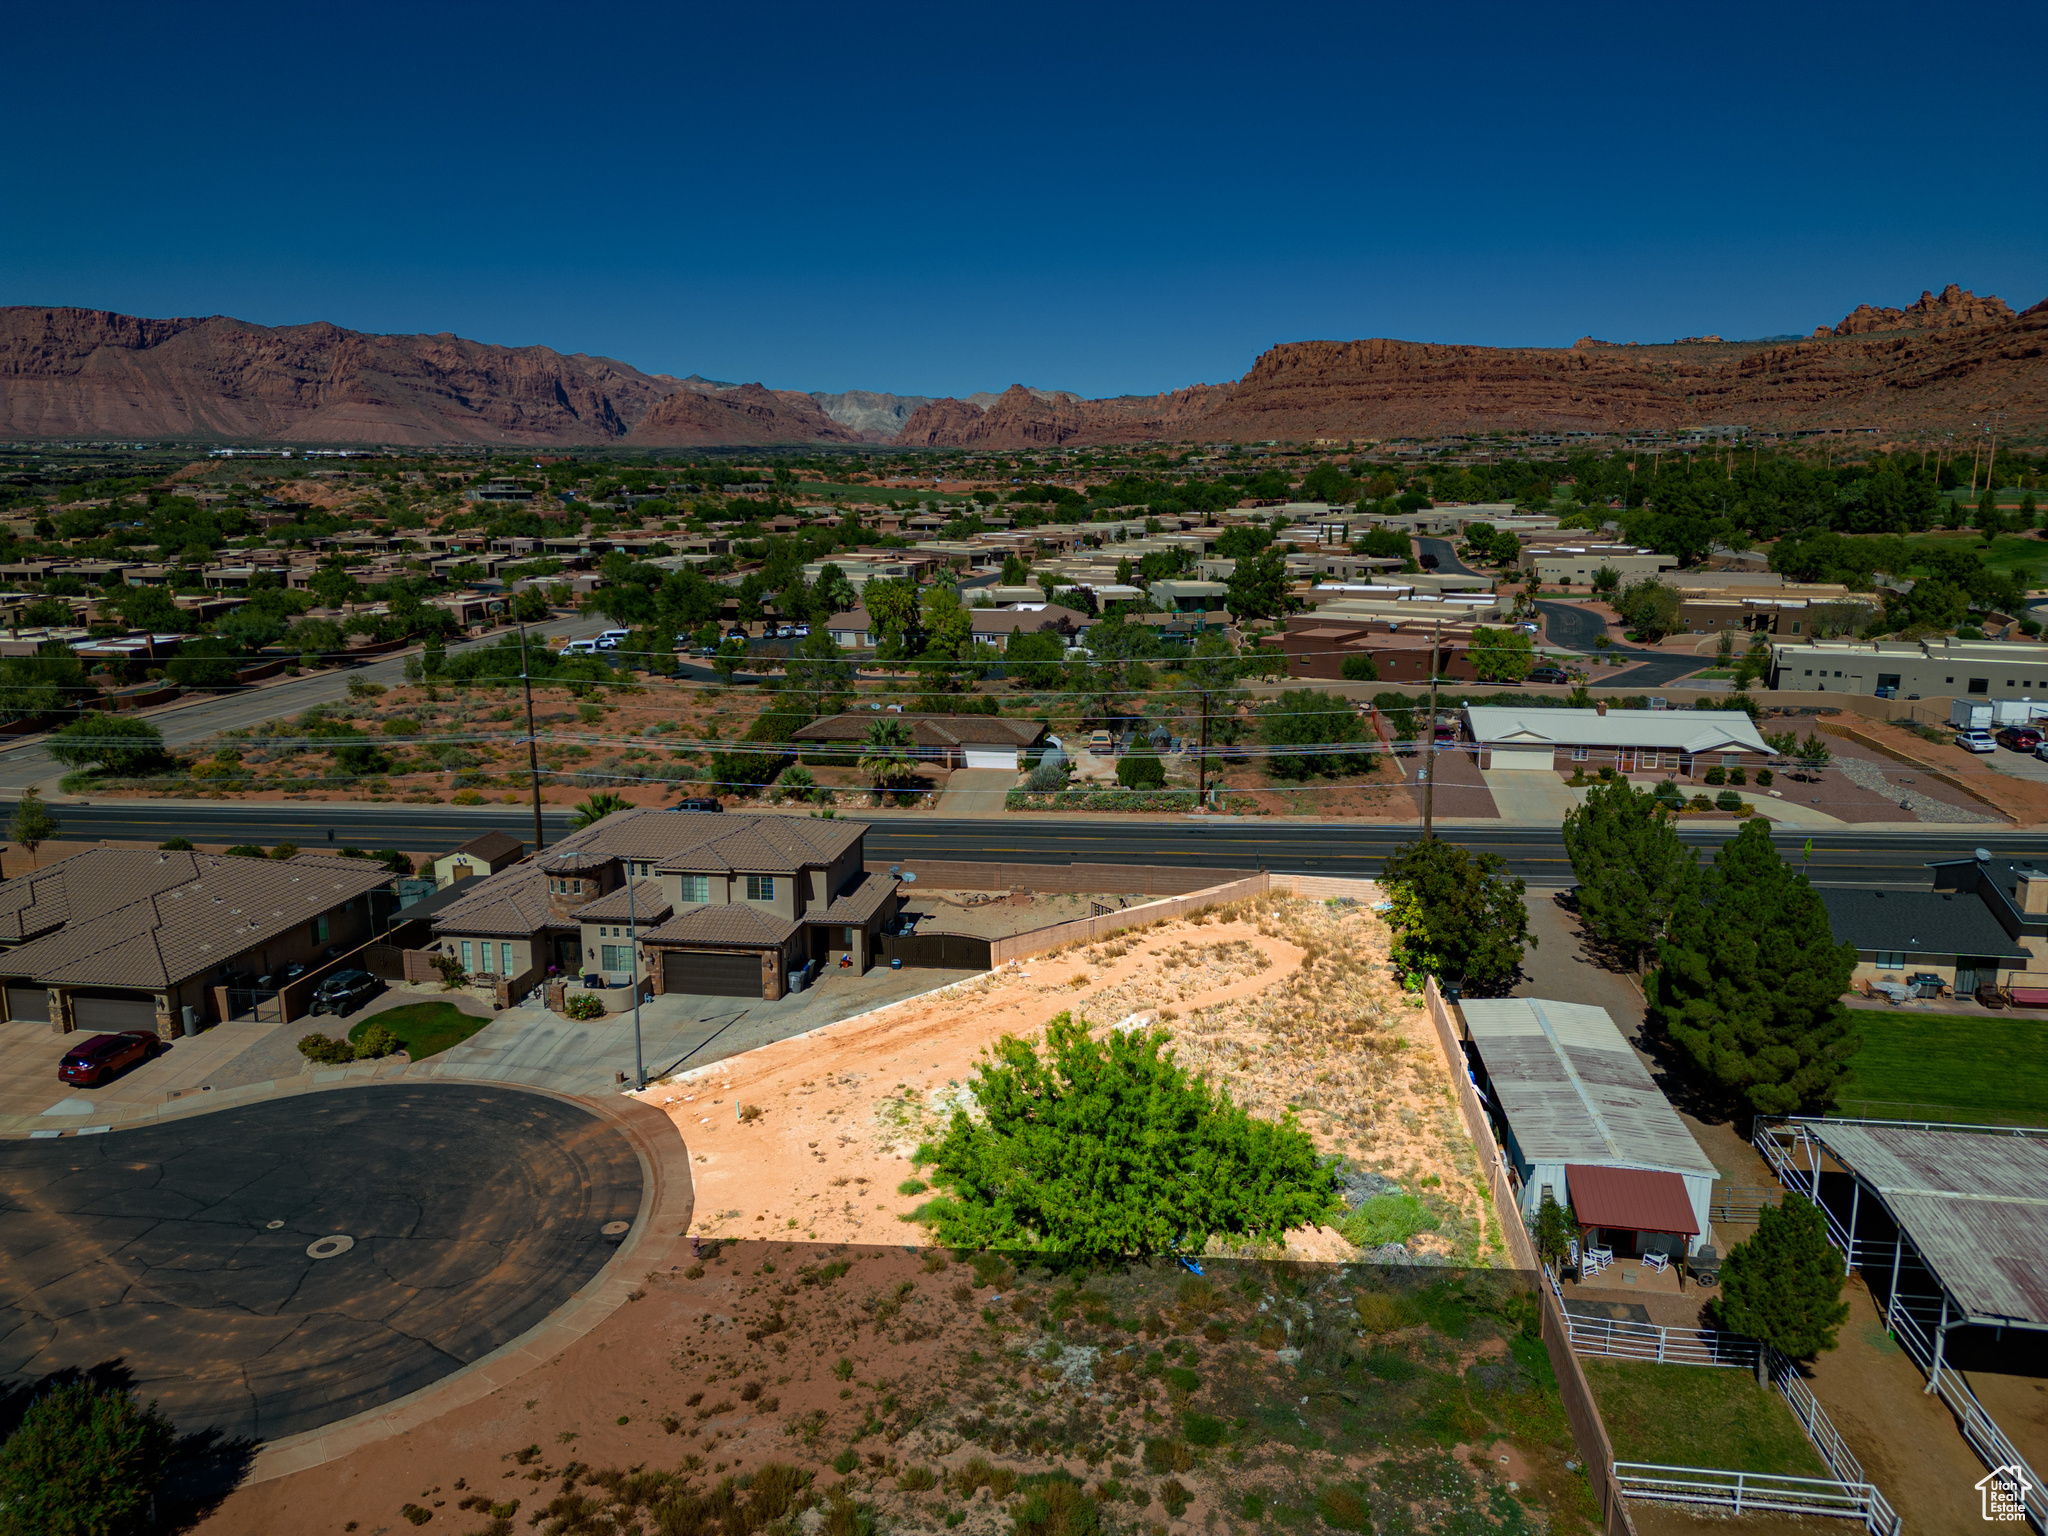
[112,1012]
[28,1004]
[710,975]
[1534,758]
[992,757]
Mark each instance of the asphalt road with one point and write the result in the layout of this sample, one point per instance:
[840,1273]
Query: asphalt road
[29,762]
[1447,561]
[178,1252]
[1572,628]
[1844,856]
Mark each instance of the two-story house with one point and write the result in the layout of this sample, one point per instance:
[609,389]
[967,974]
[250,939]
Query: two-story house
[721,905]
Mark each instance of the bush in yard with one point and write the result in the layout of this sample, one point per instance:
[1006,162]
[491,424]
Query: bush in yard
[325,1049]
[376,1042]
[85,1461]
[1716,775]
[1765,778]
[1554,1232]
[1097,1149]
[1316,734]
[1457,916]
[584,1006]
[452,974]
[1783,1283]
[1140,770]
[1728,800]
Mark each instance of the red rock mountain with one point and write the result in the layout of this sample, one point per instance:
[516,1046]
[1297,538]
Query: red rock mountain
[76,373]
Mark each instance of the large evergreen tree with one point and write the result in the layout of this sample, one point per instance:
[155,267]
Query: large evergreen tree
[1457,916]
[1632,869]
[1750,983]
[1783,1284]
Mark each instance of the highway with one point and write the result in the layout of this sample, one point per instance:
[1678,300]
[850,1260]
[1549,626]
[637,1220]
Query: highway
[1844,856]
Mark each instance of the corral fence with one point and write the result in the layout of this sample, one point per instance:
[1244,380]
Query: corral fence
[1750,1493]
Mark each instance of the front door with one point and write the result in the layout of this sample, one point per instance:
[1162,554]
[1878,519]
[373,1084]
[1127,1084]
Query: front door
[1625,760]
[1966,975]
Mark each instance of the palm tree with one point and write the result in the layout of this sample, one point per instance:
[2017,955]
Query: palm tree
[885,754]
[598,806]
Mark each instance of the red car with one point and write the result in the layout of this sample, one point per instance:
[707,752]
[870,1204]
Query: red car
[102,1056]
[2020,738]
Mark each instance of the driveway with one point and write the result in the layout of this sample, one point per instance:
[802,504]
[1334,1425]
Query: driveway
[532,1046]
[1531,799]
[1573,628]
[976,791]
[1447,561]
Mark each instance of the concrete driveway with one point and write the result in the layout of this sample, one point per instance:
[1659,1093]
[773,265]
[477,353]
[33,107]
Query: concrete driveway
[976,791]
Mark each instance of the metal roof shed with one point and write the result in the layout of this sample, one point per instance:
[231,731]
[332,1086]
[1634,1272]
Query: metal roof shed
[1566,1089]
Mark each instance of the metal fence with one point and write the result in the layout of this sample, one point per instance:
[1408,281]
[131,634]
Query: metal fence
[1619,1340]
[1746,1493]
[1741,1202]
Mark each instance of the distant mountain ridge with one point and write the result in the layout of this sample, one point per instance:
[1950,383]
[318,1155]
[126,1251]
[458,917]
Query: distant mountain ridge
[81,373]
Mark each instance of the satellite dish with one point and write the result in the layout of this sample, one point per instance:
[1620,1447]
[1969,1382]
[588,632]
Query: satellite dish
[909,879]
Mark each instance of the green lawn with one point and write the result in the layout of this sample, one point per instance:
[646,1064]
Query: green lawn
[426,1029]
[2003,554]
[1985,1067]
[1699,1416]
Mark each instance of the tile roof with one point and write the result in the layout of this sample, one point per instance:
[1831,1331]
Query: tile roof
[511,904]
[140,919]
[1934,924]
[734,923]
[492,846]
[650,905]
[929,730]
[858,902]
[698,841]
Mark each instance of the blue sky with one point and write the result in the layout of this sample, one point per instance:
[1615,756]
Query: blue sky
[941,199]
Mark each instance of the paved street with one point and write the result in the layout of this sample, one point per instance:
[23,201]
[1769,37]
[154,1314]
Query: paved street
[184,722]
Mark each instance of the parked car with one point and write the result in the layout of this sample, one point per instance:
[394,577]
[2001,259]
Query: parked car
[798,631]
[699,803]
[1976,741]
[580,648]
[2020,738]
[705,650]
[92,1063]
[736,634]
[1548,675]
[339,993]
[771,631]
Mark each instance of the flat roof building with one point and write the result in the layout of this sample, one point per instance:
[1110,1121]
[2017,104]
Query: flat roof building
[1889,669]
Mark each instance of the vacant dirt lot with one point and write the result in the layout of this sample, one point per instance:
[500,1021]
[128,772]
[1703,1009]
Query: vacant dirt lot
[1287,1003]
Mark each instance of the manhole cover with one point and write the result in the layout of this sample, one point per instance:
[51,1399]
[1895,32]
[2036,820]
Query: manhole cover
[616,1228]
[330,1247]
[273,1225]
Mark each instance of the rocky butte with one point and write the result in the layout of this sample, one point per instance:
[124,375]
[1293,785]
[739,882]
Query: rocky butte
[71,373]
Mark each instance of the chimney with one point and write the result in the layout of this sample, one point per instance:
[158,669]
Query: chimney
[1600,708]
[2032,894]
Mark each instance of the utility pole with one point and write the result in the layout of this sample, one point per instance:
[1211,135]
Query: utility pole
[1202,759]
[1429,752]
[532,749]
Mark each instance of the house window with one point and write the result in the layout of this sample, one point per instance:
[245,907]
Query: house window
[1980,685]
[1731,759]
[504,959]
[1578,754]
[1795,626]
[320,929]
[760,887]
[615,957]
[1891,959]
[465,955]
[696,888]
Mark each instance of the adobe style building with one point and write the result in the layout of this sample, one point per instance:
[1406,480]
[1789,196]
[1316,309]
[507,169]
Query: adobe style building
[1938,667]
[722,905]
[114,939]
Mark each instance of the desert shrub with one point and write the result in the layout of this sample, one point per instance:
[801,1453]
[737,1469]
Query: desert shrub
[1765,778]
[325,1049]
[375,1042]
[1343,1507]
[1098,1148]
[583,1006]
[1728,800]
[845,1462]
[1174,1495]
[1167,1454]
[912,1187]
[1203,1429]
[1716,775]
[1737,776]
[1702,803]
[917,1479]
[1140,770]
[1379,1312]
[1047,777]
[452,974]
[85,1460]
[1393,1217]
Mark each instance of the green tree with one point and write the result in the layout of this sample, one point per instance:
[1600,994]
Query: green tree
[150,608]
[1034,658]
[886,759]
[86,1460]
[206,661]
[1554,1231]
[1649,608]
[108,743]
[1016,570]
[1500,655]
[1327,482]
[832,593]
[594,808]
[1606,580]
[1749,983]
[1257,588]
[1632,868]
[1140,770]
[1783,1284]
[725,661]
[818,668]
[31,825]
[531,606]
[1102,1148]
[1813,754]
[1360,668]
[334,587]
[1313,734]
[1457,916]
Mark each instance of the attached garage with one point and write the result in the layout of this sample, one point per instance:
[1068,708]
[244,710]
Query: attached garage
[1539,758]
[710,973]
[28,1005]
[106,1012]
[991,757]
